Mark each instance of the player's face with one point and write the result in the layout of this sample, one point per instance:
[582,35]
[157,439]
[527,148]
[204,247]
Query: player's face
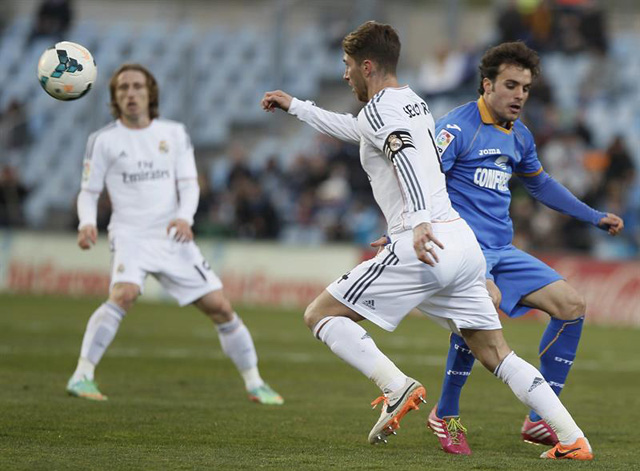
[353,75]
[508,93]
[132,95]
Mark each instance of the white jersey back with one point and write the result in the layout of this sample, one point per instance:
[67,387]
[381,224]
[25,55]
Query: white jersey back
[140,168]
[398,153]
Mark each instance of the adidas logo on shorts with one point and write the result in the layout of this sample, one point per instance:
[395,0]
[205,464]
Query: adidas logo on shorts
[370,303]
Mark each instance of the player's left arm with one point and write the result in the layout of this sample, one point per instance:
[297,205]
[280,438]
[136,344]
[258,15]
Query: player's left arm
[554,195]
[188,190]
[391,134]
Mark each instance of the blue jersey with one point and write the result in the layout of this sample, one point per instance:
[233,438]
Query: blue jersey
[479,157]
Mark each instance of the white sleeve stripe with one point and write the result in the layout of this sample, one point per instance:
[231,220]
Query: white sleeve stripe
[414,181]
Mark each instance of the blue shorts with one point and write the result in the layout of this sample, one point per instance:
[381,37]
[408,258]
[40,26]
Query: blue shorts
[516,273]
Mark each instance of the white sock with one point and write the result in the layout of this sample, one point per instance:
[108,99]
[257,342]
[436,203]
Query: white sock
[101,329]
[530,387]
[85,369]
[353,344]
[251,378]
[237,344]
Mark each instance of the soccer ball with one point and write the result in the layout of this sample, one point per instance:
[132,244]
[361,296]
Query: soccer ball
[67,71]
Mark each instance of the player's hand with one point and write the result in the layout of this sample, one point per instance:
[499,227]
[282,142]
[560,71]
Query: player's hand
[87,236]
[181,230]
[381,243]
[494,293]
[276,99]
[612,223]
[424,243]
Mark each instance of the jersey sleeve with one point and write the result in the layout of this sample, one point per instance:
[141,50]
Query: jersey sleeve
[185,158]
[342,126]
[95,164]
[449,141]
[387,129]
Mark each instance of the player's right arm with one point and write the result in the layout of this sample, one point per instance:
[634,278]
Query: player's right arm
[338,125]
[93,175]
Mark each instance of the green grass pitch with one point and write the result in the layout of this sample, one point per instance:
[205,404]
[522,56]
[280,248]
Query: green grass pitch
[177,403]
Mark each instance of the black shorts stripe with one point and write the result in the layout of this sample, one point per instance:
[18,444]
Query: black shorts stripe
[405,158]
[392,260]
[200,271]
[372,273]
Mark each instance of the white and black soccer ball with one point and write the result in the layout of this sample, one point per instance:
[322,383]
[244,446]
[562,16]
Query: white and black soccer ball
[67,71]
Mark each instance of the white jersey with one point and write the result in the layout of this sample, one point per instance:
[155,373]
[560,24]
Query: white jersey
[141,169]
[396,134]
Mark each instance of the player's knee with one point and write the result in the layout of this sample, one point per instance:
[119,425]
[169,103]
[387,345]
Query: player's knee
[575,306]
[496,298]
[217,308]
[311,315]
[124,296]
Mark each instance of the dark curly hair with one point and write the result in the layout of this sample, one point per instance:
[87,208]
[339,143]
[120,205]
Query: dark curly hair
[374,41]
[513,53]
[152,85]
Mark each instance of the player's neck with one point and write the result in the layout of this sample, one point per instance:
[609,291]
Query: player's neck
[377,83]
[135,122]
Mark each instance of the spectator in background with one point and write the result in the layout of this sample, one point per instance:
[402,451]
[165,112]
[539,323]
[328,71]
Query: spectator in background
[15,135]
[621,169]
[442,72]
[12,196]
[593,27]
[511,24]
[239,169]
[52,20]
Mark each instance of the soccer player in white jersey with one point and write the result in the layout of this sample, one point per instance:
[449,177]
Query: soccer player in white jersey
[434,261]
[148,167]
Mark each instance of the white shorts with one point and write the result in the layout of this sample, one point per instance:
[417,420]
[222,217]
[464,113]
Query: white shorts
[179,267]
[453,293]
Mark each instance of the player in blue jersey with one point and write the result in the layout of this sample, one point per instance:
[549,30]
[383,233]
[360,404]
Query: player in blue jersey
[481,145]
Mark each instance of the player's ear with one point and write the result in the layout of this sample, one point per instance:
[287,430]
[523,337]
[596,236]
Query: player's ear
[366,67]
[486,85]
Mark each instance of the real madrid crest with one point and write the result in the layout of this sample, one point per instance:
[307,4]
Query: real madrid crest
[164,147]
[395,143]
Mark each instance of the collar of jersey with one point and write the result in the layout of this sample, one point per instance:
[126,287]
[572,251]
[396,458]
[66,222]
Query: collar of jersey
[486,117]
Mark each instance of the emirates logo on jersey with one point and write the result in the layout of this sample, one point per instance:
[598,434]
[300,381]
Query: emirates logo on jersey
[163,147]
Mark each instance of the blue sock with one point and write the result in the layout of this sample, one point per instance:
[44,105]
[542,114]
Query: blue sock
[558,347]
[459,363]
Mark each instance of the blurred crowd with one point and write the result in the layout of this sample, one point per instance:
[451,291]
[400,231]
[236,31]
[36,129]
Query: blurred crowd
[323,194]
